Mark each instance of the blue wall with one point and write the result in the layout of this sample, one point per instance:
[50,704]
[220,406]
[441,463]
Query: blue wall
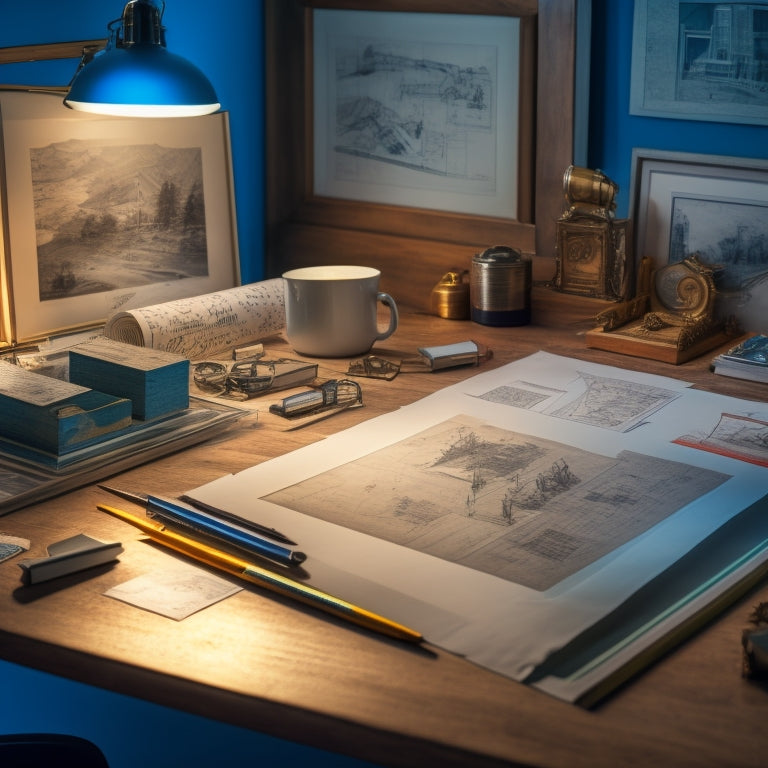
[227,46]
[613,132]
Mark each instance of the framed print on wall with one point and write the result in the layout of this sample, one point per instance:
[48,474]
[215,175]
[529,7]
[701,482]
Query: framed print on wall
[701,60]
[104,213]
[409,135]
[404,116]
[716,207]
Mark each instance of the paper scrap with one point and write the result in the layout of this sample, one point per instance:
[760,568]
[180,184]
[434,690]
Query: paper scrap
[175,593]
[10,546]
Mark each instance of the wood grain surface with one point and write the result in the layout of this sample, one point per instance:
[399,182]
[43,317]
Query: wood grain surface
[265,663]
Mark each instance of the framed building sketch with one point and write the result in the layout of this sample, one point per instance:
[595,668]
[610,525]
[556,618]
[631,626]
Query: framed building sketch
[402,115]
[409,135]
[701,60]
[712,206]
[105,213]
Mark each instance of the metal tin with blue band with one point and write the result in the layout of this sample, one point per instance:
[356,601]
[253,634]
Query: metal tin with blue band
[500,287]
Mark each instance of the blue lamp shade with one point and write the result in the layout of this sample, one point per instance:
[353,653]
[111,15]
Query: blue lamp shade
[135,75]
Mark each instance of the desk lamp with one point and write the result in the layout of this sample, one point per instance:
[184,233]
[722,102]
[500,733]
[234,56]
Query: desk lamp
[133,74]
[136,75]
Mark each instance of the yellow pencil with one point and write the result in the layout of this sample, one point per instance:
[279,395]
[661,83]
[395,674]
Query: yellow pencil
[265,578]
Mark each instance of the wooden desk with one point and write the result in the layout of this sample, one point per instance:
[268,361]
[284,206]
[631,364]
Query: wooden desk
[257,661]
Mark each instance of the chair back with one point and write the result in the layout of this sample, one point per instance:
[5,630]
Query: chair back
[49,750]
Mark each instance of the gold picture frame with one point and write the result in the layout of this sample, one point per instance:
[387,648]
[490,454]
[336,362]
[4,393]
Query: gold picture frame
[83,232]
[413,246]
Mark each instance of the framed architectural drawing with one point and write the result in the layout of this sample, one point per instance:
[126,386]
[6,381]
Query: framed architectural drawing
[102,214]
[404,116]
[410,135]
[700,61]
[712,206]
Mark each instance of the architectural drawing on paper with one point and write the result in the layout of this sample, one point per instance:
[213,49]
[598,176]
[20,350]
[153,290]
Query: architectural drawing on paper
[739,437]
[522,394]
[421,106]
[705,60]
[520,507]
[613,403]
[599,401]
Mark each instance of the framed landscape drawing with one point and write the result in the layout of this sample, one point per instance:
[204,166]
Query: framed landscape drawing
[409,135]
[103,213]
[713,206]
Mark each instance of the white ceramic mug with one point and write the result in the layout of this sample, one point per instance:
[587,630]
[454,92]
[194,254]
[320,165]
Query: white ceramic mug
[331,311]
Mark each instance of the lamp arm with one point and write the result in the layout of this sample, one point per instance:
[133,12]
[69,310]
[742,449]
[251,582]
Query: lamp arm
[75,49]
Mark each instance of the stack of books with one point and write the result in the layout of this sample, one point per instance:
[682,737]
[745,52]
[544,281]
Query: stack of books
[113,387]
[56,416]
[155,381]
[747,360]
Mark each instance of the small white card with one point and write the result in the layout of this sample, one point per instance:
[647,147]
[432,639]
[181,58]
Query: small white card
[176,592]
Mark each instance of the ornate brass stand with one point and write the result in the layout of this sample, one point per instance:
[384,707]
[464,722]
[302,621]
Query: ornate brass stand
[592,246]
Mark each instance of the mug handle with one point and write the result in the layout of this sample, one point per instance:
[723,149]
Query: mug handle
[387,300]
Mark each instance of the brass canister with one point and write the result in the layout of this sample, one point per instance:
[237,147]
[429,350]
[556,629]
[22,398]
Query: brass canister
[450,297]
[500,287]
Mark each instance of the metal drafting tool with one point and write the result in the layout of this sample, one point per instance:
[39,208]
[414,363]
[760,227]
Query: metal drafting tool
[428,360]
[323,400]
[262,577]
[177,514]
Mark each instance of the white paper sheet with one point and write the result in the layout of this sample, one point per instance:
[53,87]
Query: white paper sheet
[496,622]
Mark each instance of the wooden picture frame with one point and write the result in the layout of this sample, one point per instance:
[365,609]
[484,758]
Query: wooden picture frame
[713,205]
[412,246]
[104,213]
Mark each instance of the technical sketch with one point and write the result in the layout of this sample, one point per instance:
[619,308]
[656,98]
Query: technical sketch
[595,400]
[739,437]
[729,236]
[521,394]
[522,508]
[700,60]
[614,403]
[426,107]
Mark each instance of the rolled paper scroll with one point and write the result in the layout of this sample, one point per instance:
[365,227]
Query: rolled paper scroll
[200,326]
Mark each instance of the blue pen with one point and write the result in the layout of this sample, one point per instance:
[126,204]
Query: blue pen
[182,516]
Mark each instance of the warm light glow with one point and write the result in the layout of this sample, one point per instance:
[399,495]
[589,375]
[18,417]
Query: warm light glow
[144,110]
